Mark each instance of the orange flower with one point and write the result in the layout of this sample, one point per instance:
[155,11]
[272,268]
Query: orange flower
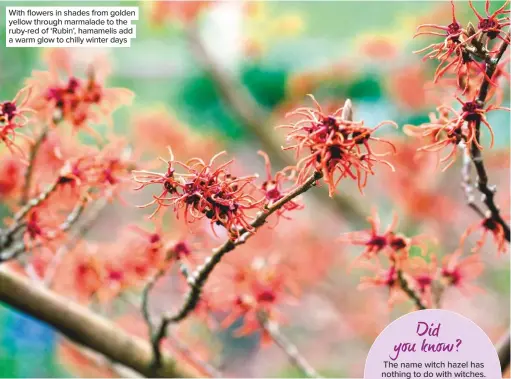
[488,226]
[423,274]
[73,99]
[12,117]
[335,145]
[273,187]
[446,131]
[11,177]
[258,289]
[395,245]
[459,272]
[202,191]
[382,278]
[492,25]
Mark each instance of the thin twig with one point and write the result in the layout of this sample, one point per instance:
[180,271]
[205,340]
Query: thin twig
[200,364]
[488,192]
[466,184]
[288,347]
[503,350]
[75,235]
[84,327]
[409,291]
[198,278]
[32,203]
[145,307]
[7,236]
[30,168]
[12,252]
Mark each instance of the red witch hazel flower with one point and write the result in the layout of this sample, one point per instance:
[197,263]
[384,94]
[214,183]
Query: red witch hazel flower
[203,191]
[488,226]
[12,117]
[423,274]
[273,187]
[492,25]
[259,289]
[75,100]
[459,272]
[457,49]
[455,39]
[335,144]
[382,278]
[445,131]
[395,245]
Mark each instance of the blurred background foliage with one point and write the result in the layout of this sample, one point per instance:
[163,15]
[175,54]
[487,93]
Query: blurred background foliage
[336,50]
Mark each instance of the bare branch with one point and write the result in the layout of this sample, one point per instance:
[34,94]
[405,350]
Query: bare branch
[197,279]
[409,291]
[488,192]
[288,347]
[503,350]
[34,149]
[83,326]
[7,236]
[75,235]
[466,184]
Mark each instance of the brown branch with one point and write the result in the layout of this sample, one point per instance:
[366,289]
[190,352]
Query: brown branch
[288,348]
[254,118]
[7,236]
[34,149]
[488,192]
[503,351]
[84,327]
[466,184]
[405,286]
[197,279]
[75,235]
[203,367]
[153,336]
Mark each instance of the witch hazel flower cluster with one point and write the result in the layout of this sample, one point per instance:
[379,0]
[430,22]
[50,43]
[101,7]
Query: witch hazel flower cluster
[466,53]
[203,190]
[57,175]
[335,145]
[472,55]
[14,115]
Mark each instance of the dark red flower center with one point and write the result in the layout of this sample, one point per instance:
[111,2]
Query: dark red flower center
[398,243]
[115,275]
[489,224]
[8,110]
[423,281]
[377,241]
[488,23]
[267,296]
[470,109]
[154,238]
[453,29]
[181,249]
[72,85]
[453,275]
